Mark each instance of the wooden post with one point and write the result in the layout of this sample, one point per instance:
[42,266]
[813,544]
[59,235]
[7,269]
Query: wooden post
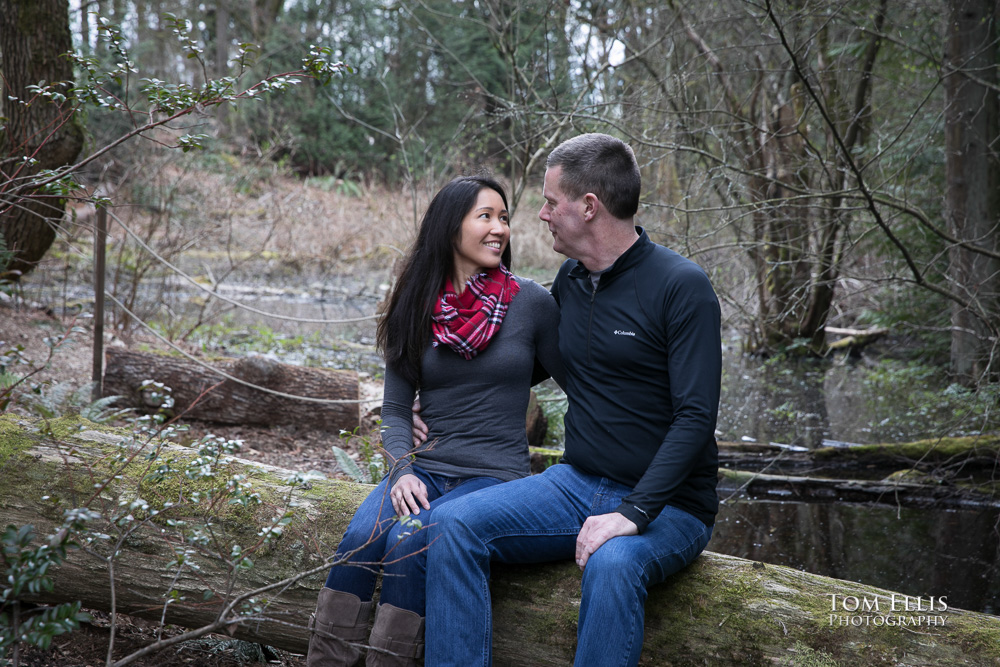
[100,241]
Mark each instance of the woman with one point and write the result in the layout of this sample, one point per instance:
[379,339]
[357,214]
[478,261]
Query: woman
[466,333]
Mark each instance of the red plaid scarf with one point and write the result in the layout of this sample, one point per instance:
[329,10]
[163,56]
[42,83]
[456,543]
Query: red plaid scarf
[467,322]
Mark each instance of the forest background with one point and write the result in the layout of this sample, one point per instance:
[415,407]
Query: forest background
[834,166]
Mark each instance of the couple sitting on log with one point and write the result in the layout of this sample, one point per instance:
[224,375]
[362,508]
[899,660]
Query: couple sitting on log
[630,330]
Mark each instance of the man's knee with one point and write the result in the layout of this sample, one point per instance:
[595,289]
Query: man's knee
[615,560]
[612,556]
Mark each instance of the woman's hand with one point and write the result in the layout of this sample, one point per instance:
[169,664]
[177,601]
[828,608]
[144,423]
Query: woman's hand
[419,428]
[408,495]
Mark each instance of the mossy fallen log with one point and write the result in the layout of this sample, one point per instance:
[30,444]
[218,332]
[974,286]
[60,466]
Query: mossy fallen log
[908,488]
[978,450]
[967,455]
[854,339]
[720,611]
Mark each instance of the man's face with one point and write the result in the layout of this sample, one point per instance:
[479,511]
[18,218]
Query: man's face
[563,215]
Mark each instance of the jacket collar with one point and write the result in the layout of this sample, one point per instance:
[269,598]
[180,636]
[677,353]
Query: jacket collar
[625,261]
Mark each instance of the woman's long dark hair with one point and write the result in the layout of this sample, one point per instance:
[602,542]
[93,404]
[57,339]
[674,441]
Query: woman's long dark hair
[405,329]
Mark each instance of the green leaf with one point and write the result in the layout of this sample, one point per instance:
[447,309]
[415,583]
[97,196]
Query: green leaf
[349,467]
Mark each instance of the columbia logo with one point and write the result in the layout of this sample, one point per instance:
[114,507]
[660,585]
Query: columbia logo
[624,333]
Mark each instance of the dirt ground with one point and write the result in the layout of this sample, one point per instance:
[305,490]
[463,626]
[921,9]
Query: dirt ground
[288,447]
[88,647]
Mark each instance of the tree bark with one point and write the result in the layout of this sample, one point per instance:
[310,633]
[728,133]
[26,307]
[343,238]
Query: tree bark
[906,489]
[34,39]
[721,610]
[974,457]
[234,403]
[972,172]
[263,18]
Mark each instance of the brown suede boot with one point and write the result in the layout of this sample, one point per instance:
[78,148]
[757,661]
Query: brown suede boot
[397,638]
[344,616]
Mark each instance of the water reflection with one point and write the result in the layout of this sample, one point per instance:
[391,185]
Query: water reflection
[861,400]
[915,552]
[773,402]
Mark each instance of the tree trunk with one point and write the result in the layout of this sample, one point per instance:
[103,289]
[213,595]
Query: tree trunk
[232,402]
[85,9]
[222,60]
[783,268]
[720,611]
[34,39]
[263,18]
[974,456]
[905,489]
[972,170]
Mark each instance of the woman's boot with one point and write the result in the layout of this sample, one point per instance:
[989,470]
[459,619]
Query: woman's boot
[344,616]
[397,638]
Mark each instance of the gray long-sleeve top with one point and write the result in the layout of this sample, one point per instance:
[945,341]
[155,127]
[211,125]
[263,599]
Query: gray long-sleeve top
[475,409]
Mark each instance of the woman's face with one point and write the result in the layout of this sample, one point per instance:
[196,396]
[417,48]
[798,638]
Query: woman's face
[483,237]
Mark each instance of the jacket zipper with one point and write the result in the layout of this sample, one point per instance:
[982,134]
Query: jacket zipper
[590,321]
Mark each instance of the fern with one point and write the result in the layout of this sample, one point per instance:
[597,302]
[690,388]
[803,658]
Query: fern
[8,380]
[349,467]
[101,412]
[48,401]
[245,653]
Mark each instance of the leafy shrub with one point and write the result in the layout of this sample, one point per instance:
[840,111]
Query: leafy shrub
[26,566]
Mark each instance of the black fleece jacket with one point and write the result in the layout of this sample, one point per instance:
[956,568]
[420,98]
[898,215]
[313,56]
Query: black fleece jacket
[643,357]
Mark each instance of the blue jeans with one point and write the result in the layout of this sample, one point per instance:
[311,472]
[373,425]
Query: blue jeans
[376,539]
[537,519]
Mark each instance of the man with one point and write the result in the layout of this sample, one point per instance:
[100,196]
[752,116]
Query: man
[633,499]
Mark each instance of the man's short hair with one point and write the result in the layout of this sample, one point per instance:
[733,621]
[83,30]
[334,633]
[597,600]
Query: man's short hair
[602,165]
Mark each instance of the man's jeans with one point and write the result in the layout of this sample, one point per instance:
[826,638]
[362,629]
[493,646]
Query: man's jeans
[537,519]
[375,538]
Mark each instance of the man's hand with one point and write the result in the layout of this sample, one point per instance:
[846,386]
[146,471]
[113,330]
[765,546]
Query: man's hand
[599,529]
[420,429]
[408,495]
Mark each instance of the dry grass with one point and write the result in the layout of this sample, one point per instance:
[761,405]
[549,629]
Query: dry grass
[250,230]
[240,208]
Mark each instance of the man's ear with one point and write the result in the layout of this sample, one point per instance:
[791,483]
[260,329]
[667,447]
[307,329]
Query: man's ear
[591,205]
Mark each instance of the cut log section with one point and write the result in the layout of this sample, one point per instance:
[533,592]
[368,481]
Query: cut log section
[720,611]
[201,394]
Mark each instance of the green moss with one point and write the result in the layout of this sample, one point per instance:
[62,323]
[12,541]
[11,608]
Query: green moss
[699,598]
[750,613]
[928,450]
[738,476]
[805,656]
[103,458]
[978,635]
[548,457]
[333,519]
[13,441]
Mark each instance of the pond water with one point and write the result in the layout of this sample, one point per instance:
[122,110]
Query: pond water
[915,552]
[955,554]
[843,399]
